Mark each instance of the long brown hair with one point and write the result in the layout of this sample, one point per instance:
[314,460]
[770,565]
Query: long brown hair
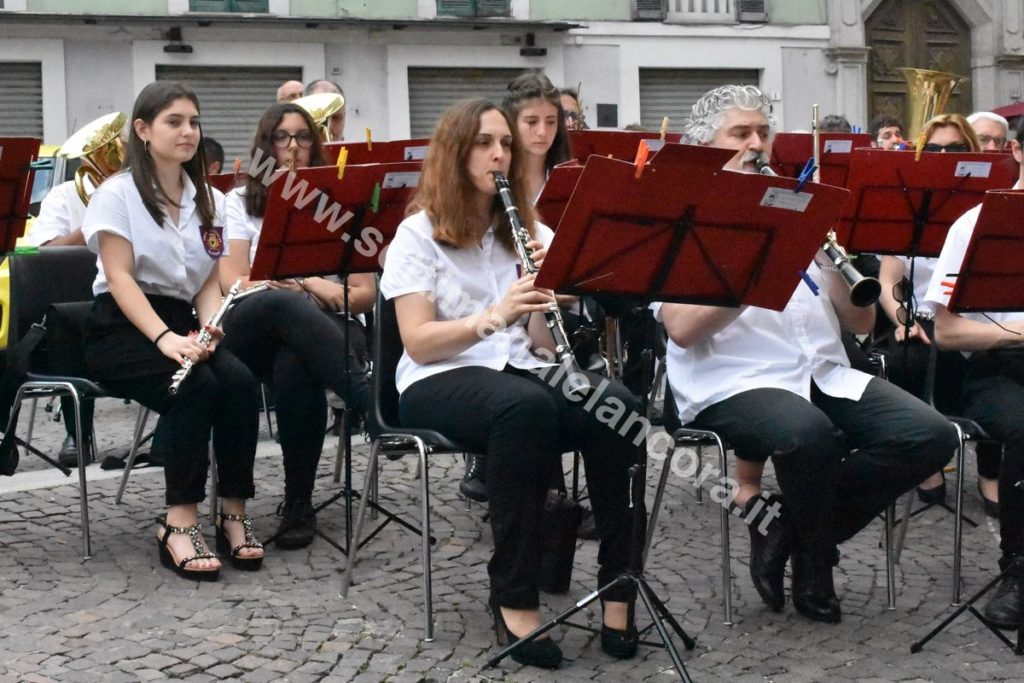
[953,121]
[445,190]
[255,190]
[154,99]
[536,86]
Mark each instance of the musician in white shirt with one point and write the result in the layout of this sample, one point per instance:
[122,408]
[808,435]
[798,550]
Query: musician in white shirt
[778,384]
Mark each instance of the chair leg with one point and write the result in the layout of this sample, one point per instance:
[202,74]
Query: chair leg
[214,499]
[140,427]
[266,409]
[700,471]
[31,421]
[890,557]
[342,434]
[723,465]
[428,606]
[901,533]
[83,493]
[958,518]
[364,500]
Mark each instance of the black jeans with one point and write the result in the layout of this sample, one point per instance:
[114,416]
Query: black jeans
[994,398]
[524,425]
[299,349]
[832,492]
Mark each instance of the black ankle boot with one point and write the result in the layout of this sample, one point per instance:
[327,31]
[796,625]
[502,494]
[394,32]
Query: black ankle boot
[770,547]
[474,483]
[1006,608]
[814,596]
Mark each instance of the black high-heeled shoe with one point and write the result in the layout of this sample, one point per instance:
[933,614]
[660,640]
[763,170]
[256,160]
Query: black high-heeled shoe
[621,644]
[542,652]
[248,564]
[181,567]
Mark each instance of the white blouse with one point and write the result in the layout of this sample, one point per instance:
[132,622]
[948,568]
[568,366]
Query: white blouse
[947,269]
[170,260]
[60,214]
[462,282]
[764,349]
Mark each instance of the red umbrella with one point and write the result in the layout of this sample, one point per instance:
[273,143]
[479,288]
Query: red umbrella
[1010,110]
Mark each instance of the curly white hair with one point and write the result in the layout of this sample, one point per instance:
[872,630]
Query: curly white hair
[708,112]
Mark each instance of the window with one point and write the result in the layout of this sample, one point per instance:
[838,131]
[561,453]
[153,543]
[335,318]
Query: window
[245,6]
[474,8]
[672,92]
[21,108]
[434,89]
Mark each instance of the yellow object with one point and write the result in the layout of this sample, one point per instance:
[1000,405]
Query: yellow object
[321,107]
[342,160]
[927,91]
[369,139]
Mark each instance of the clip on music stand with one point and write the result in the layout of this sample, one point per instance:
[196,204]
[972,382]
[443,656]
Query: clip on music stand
[16,174]
[790,152]
[390,152]
[668,236]
[315,224]
[991,279]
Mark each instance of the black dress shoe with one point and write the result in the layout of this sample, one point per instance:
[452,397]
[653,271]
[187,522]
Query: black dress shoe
[298,524]
[990,506]
[932,496]
[474,483]
[541,652]
[621,644]
[1006,608]
[68,456]
[770,546]
[814,596]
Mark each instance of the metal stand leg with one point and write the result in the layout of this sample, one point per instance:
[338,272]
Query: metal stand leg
[140,427]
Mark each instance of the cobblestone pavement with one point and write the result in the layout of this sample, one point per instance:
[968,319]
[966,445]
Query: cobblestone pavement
[122,617]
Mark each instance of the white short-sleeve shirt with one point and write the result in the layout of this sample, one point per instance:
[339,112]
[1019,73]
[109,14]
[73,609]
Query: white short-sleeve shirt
[947,269]
[170,260]
[764,349]
[60,214]
[239,225]
[463,282]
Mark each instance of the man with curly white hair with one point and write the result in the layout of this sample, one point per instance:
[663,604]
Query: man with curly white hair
[779,385]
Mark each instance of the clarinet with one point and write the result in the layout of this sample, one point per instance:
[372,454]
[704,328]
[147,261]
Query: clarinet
[579,385]
[233,296]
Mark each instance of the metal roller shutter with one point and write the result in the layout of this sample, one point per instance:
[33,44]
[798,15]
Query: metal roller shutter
[672,92]
[432,90]
[21,107]
[231,99]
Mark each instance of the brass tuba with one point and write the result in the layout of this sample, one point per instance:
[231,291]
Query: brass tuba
[99,146]
[321,107]
[928,92]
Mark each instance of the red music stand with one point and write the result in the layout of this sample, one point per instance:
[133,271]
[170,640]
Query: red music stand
[557,191]
[899,205]
[618,144]
[790,152]
[225,182]
[991,277]
[670,235]
[390,152]
[16,174]
[315,224]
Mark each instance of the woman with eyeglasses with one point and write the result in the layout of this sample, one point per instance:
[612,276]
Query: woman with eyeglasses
[291,336]
[908,343]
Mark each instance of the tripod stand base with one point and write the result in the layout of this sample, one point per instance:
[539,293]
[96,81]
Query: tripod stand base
[1018,648]
[660,616]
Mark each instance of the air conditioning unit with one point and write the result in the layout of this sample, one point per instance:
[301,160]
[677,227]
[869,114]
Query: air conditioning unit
[649,10]
[751,11]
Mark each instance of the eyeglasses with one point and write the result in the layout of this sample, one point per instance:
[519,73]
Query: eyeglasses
[951,147]
[1000,142]
[284,139]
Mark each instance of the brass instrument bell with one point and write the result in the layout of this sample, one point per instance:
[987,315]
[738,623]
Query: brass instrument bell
[98,144]
[928,92]
[321,107]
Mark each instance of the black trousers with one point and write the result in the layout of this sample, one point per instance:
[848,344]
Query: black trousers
[832,492]
[994,398]
[524,425]
[219,395]
[299,350]
[908,367]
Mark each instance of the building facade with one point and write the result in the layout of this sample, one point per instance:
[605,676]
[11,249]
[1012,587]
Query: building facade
[65,62]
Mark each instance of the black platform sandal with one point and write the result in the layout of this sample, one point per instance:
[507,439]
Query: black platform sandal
[248,564]
[180,567]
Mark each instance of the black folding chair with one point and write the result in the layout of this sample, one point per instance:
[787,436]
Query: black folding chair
[395,441]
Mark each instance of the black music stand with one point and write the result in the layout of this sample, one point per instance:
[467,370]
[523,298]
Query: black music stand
[316,224]
[666,236]
[991,279]
[16,174]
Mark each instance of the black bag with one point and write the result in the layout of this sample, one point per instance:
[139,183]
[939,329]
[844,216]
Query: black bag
[558,525]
